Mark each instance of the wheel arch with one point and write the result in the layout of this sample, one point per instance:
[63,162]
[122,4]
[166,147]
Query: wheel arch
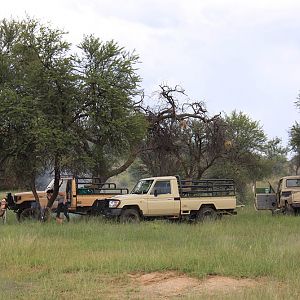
[26,204]
[194,213]
[211,205]
[206,212]
[22,206]
[134,206]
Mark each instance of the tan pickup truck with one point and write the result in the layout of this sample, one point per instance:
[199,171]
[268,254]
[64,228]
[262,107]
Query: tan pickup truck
[285,199]
[83,196]
[170,197]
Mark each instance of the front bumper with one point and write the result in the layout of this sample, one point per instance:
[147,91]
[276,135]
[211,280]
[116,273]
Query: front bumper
[11,203]
[112,212]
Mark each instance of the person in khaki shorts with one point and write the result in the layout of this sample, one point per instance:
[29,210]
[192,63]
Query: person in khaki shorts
[3,207]
[62,205]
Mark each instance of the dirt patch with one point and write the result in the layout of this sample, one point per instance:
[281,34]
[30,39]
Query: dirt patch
[171,284]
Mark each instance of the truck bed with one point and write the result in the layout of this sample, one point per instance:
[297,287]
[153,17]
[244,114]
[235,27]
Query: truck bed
[206,188]
[193,203]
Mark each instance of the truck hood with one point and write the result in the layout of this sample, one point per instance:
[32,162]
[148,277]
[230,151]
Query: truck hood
[29,193]
[127,196]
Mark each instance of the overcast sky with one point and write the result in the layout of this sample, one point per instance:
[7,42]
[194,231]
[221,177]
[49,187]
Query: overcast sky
[242,55]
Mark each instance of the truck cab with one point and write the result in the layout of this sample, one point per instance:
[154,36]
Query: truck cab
[155,196]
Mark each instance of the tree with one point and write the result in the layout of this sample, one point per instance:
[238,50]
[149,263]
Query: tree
[251,156]
[182,139]
[20,75]
[294,142]
[295,145]
[276,154]
[65,111]
[113,126]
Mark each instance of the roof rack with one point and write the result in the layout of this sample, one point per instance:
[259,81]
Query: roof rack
[93,185]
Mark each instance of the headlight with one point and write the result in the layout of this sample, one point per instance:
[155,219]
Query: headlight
[113,203]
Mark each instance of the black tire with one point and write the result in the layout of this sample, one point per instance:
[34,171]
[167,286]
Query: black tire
[18,213]
[289,210]
[206,213]
[130,216]
[219,216]
[28,214]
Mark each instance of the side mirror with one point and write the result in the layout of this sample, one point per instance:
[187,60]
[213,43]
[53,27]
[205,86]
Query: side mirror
[155,193]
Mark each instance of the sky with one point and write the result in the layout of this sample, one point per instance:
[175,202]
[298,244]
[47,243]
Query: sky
[233,55]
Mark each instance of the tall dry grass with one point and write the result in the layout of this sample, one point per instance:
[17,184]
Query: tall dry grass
[90,257]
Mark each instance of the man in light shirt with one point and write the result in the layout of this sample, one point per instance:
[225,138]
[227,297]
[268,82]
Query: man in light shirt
[62,205]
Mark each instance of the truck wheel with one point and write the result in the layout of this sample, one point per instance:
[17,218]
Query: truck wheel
[28,214]
[289,210]
[18,215]
[130,216]
[206,213]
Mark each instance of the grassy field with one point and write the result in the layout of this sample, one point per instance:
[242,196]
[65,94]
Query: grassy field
[91,259]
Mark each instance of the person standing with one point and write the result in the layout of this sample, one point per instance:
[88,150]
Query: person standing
[3,207]
[61,206]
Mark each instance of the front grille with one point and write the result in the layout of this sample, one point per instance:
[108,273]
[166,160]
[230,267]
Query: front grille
[286,193]
[100,206]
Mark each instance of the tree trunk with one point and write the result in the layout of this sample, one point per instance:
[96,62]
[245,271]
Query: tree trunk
[131,158]
[56,181]
[33,189]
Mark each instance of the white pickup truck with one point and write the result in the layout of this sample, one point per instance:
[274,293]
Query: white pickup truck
[170,197]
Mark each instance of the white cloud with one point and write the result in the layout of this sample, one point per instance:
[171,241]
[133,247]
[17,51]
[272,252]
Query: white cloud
[242,55]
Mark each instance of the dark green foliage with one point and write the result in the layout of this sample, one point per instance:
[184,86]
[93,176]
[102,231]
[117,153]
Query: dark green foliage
[113,127]
[65,111]
[251,157]
[295,144]
[295,136]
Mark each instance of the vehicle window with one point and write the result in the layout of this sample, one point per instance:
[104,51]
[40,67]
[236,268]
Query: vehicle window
[162,187]
[293,183]
[63,185]
[142,187]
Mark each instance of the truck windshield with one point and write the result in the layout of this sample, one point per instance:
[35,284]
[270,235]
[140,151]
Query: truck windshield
[62,185]
[142,187]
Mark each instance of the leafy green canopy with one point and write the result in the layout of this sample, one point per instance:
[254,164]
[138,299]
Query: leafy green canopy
[68,111]
[295,142]
[251,156]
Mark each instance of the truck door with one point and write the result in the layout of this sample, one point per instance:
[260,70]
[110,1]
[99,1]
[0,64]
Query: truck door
[265,198]
[161,201]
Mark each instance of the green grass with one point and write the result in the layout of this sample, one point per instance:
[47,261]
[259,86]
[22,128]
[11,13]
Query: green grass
[86,258]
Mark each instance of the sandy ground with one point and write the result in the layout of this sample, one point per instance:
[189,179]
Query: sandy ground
[169,285]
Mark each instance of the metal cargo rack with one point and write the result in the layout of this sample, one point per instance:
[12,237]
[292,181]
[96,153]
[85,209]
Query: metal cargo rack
[206,187]
[93,185]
